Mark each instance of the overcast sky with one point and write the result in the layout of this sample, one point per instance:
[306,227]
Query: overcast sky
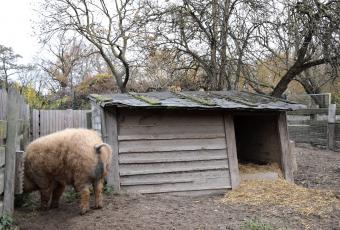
[16,27]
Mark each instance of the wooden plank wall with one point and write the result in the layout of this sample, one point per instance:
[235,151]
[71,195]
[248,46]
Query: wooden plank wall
[45,122]
[168,151]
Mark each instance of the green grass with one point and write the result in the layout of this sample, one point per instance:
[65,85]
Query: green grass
[107,190]
[71,195]
[6,222]
[256,224]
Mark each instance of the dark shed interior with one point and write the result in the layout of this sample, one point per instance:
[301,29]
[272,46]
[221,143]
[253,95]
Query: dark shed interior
[257,138]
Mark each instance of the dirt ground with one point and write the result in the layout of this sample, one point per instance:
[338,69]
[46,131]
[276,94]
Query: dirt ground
[316,169]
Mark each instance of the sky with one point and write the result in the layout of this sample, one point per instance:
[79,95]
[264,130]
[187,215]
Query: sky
[16,28]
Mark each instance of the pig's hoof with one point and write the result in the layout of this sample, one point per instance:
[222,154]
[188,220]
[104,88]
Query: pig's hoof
[83,211]
[99,206]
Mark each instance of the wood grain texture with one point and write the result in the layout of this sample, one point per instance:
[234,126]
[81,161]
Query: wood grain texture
[174,177]
[286,160]
[231,150]
[12,117]
[171,136]
[206,184]
[172,151]
[45,122]
[110,134]
[2,180]
[170,145]
[175,156]
[141,169]
[2,155]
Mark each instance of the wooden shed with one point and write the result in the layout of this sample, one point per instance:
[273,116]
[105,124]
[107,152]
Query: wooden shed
[190,142]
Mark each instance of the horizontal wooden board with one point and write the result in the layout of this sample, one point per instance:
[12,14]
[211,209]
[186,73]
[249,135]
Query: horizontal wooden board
[171,178]
[2,155]
[171,136]
[159,118]
[170,145]
[141,169]
[171,130]
[318,141]
[204,184]
[178,156]
[311,111]
[2,180]
[205,192]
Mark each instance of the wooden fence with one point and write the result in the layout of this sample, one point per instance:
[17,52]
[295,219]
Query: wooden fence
[14,133]
[44,122]
[316,126]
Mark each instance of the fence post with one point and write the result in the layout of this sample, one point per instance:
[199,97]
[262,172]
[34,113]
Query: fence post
[12,120]
[331,125]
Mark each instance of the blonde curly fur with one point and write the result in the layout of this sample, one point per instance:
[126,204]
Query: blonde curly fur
[68,157]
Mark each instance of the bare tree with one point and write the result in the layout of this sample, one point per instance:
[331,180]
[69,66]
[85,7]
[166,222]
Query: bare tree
[107,25]
[63,63]
[215,34]
[228,38]
[305,35]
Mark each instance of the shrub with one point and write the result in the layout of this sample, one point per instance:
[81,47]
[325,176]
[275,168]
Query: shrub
[6,222]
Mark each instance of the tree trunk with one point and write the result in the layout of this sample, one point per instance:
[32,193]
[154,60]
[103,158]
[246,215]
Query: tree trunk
[224,31]
[213,47]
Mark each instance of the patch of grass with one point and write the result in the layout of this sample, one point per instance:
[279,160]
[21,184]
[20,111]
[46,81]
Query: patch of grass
[6,222]
[108,189]
[256,224]
[71,195]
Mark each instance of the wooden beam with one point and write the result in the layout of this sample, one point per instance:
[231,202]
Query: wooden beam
[286,159]
[307,112]
[3,129]
[110,130]
[2,155]
[231,150]
[12,117]
[89,120]
[331,126]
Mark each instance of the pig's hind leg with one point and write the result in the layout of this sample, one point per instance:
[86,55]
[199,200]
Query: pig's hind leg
[57,192]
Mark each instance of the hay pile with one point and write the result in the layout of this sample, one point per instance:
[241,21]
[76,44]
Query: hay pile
[281,193]
[255,168]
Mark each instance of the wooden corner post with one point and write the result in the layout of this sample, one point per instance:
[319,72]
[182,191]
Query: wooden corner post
[331,126]
[110,136]
[286,156]
[229,130]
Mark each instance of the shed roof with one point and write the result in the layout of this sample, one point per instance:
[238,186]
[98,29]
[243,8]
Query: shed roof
[196,100]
